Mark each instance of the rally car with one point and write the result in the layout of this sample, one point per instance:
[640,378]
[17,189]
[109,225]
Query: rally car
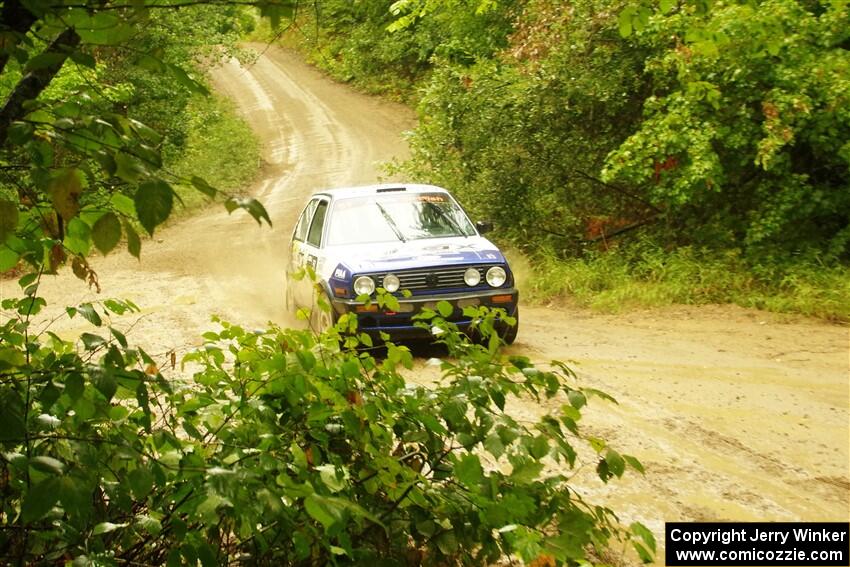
[395,237]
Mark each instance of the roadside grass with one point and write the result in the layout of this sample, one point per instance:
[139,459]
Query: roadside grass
[651,277]
[220,147]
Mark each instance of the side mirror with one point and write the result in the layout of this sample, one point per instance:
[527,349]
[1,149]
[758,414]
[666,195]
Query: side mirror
[483,226]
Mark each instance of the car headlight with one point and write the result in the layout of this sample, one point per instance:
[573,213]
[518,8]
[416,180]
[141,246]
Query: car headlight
[496,276]
[472,277]
[364,285]
[391,283]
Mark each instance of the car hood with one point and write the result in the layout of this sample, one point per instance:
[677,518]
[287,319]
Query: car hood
[390,256]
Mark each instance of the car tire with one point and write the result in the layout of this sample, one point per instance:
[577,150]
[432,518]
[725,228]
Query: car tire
[320,319]
[509,332]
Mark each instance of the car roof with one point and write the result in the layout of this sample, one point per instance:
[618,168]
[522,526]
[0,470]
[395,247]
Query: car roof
[366,190]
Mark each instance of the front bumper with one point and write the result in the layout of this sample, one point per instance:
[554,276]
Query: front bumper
[401,325]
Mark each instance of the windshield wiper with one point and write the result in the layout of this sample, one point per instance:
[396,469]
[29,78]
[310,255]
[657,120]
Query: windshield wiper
[449,219]
[390,222]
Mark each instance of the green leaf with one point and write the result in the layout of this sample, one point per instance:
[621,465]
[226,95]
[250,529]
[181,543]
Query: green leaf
[78,237]
[47,464]
[65,189]
[134,244]
[45,60]
[577,399]
[20,133]
[11,357]
[643,532]
[635,464]
[252,206]
[539,447]
[89,313]
[564,547]
[123,204]
[101,28]
[12,427]
[615,461]
[624,21]
[76,497]
[468,470]
[106,232]
[83,59]
[494,445]
[106,384]
[201,185]
[153,200]
[667,5]
[330,478]
[206,555]
[40,500]
[8,258]
[128,167]
[322,510]
[526,472]
[141,482]
[184,79]
[74,386]
[447,542]
[645,555]
[149,524]
[445,308]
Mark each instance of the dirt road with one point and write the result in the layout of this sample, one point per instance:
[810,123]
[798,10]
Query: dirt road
[737,415]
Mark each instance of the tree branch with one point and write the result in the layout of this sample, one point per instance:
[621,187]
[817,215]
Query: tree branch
[15,20]
[618,189]
[32,85]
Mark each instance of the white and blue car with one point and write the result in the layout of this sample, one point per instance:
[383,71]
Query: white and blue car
[396,237]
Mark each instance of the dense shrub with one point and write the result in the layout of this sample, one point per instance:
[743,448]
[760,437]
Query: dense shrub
[286,449]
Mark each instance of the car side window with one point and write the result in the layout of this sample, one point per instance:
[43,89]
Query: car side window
[315,235]
[304,221]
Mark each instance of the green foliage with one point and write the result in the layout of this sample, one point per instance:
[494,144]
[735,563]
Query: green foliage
[285,449]
[645,275]
[718,126]
[218,145]
[87,154]
[361,42]
[746,130]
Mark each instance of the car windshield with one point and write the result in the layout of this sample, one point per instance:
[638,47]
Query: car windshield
[394,217]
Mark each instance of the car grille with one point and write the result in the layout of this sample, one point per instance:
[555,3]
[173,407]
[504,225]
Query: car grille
[433,278]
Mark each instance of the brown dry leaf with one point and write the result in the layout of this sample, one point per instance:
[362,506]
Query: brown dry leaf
[543,560]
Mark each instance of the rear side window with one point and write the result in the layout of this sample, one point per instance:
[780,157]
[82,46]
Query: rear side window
[315,235]
[304,221]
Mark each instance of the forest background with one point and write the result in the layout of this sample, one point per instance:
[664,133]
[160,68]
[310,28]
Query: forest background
[640,154]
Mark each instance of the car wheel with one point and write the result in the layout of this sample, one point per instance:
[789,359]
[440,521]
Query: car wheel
[322,319]
[509,332]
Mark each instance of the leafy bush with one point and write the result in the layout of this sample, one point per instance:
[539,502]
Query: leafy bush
[286,449]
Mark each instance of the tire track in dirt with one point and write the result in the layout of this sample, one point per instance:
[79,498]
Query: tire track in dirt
[728,427]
